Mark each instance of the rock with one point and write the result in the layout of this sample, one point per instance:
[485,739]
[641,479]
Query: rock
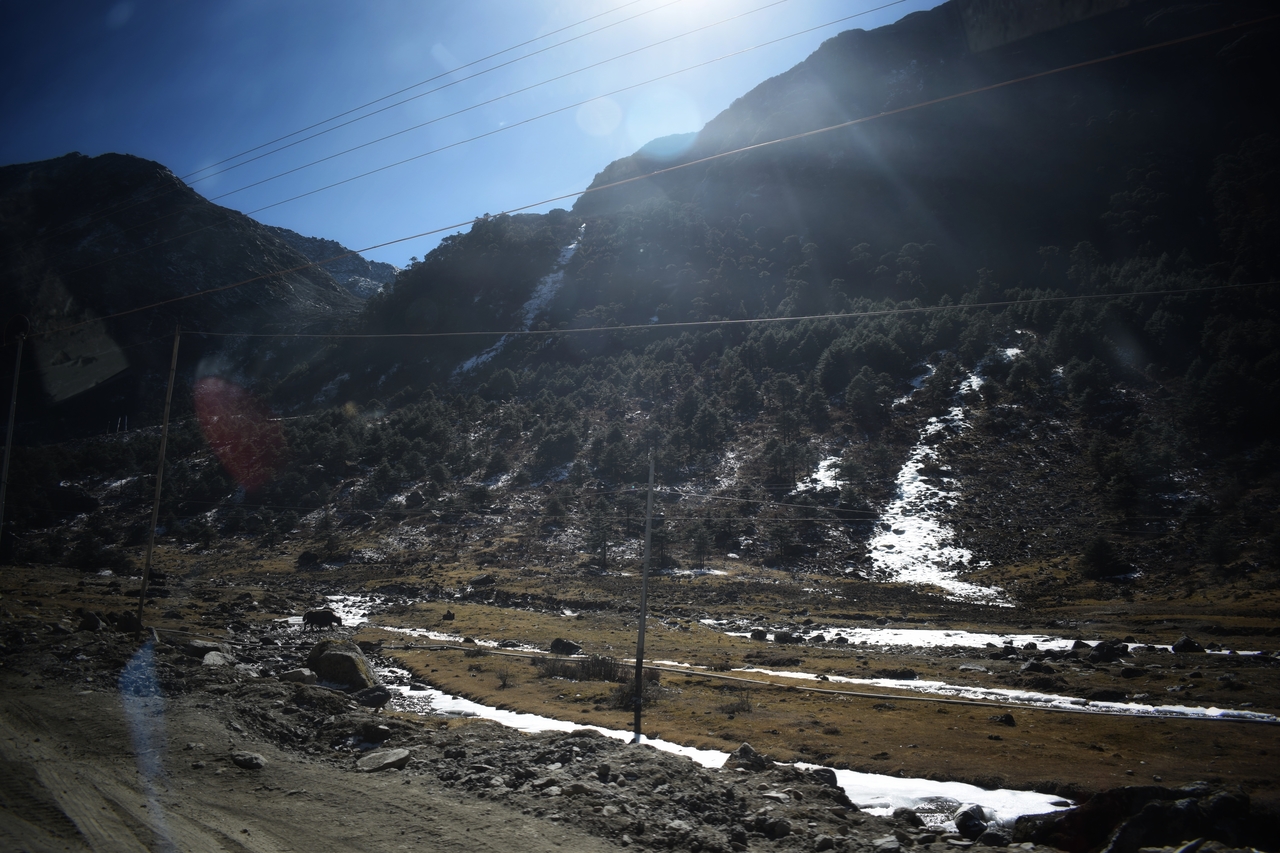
[1125,820]
[746,756]
[373,732]
[301,676]
[994,838]
[248,760]
[971,820]
[787,637]
[1005,719]
[372,697]
[448,616]
[825,776]
[759,634]
[1187,646]
[899,674]
[780,828]
[413,500]
[200,648]
[342,663]
[90,621]
[908,816]
[1132,672]
[218,659]
[308,559]
[560,646]
[887,844]
[386,759]
[824,842]
[485,579]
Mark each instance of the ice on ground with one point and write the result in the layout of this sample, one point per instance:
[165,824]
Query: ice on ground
[1030,698]
[879,795]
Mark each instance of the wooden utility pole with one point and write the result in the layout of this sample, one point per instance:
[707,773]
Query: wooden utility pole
[155,507]
[8,441]
[644,600]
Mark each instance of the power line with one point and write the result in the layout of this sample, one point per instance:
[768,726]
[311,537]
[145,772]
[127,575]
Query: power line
[848,315]
[461,142]
[133,203]
[670,169]
[530,88]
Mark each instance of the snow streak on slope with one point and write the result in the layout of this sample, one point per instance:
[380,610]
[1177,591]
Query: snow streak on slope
[542,295]
[911,545]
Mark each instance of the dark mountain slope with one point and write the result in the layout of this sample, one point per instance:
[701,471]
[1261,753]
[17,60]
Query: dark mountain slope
[990,177]
[358,275]
[85,238]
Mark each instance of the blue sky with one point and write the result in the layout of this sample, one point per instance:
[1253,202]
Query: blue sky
[190,82]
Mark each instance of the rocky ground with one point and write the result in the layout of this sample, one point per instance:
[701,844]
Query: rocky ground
[197,737]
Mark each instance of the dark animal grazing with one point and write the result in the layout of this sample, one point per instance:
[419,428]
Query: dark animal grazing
[318,619]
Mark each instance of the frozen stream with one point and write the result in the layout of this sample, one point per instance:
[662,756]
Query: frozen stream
[874,793]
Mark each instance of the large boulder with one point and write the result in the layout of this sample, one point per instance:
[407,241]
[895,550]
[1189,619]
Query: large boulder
[1125,820]
[340,662]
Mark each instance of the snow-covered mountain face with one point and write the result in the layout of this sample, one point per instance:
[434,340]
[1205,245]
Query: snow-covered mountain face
[362,277]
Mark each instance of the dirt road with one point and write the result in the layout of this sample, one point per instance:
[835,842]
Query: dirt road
[71,779]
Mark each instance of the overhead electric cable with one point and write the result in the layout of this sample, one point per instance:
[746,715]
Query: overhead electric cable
[132,202]
[454,71]
[532,86]
[669,169]
[459,143]
[846,315]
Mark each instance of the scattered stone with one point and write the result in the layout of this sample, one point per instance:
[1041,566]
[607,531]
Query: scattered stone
[200,648]
[1005,719]
[908,816]
[372,697]
[248,760]
[373,732]
[971,820]
[1186,646]
[746,756]
[218,659]
[301,676]
[994,838]
[387,759]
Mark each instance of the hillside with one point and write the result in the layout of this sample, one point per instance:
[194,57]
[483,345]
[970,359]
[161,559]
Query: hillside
[362,277]
[86,238]
[972,400]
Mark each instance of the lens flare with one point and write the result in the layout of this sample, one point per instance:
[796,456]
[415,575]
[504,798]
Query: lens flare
[239,429]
